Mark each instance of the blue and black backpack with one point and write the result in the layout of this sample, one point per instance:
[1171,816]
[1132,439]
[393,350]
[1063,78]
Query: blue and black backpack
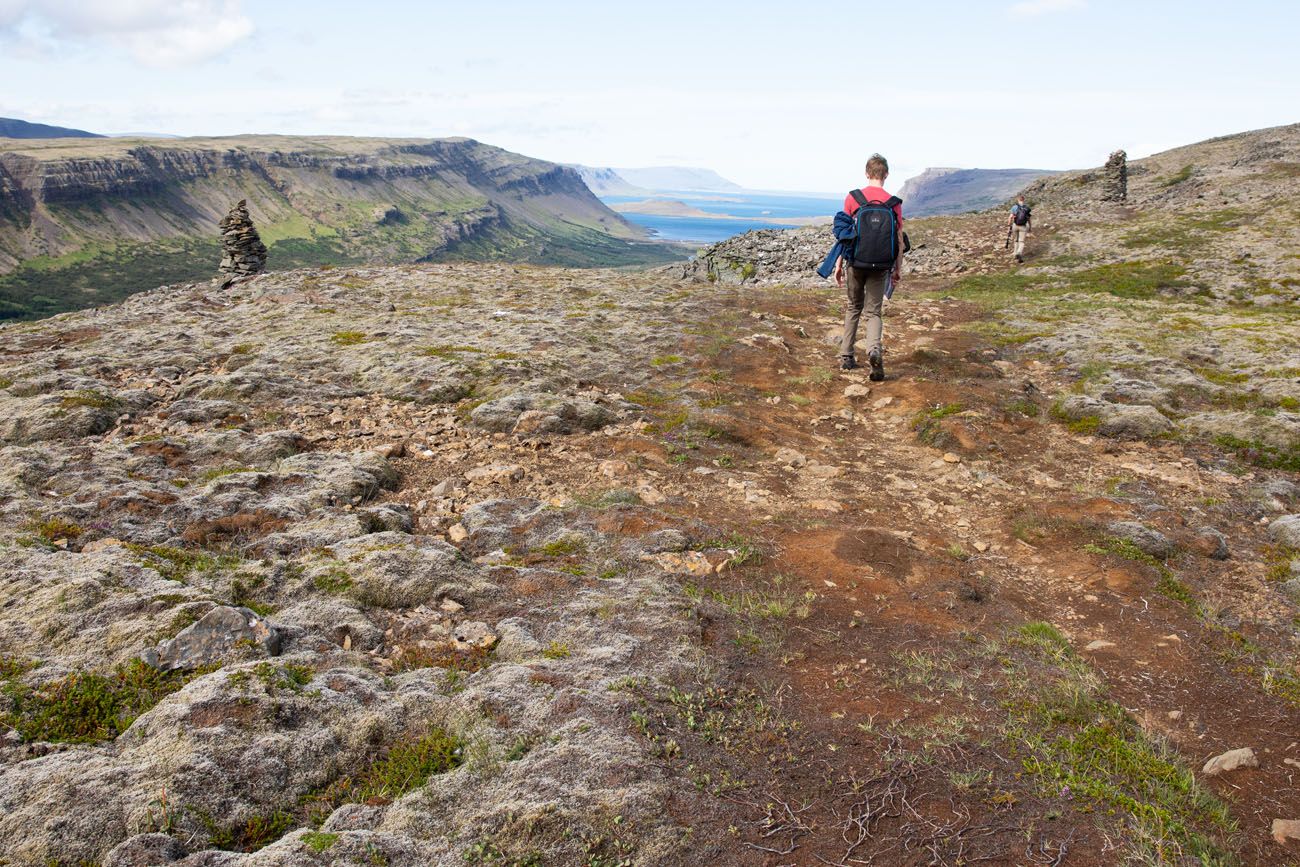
[875,245]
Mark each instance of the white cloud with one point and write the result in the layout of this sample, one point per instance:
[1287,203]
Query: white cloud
[1034,8]
[160,33]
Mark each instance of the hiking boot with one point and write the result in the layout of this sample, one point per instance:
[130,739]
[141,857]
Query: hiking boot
[877,366]
[847,362]
[1020,259]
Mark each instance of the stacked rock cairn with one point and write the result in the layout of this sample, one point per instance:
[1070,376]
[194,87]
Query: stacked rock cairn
[1115,176]
[242,250]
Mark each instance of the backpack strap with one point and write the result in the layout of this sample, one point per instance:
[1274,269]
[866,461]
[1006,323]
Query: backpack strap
[858,197]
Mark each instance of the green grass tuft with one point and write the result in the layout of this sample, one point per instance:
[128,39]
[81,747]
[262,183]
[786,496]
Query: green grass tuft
[348,338]
[90,398]
[85,707]
[177,564]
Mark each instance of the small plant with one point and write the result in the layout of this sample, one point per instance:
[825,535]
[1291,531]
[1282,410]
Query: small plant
[556,650]
[221,472]
[564,547]
[448,350]
[521,747]
[957,552]
[243,592]
[455,661]
[927,427]
[318,841]
[90,398]
[176,564]
[335,581]
[348,338]
[256,832]
[14,666]
[49,531]
[664,360]
[85,707]
[403,768]
[1023,406]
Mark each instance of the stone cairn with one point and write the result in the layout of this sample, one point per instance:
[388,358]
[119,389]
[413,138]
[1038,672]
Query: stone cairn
[242,250]
[1115,178]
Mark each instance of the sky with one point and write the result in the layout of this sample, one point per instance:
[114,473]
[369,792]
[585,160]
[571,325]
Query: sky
[772,95]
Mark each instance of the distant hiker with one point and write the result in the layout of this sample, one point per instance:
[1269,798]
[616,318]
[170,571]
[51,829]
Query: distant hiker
[1019,224]
[869,238]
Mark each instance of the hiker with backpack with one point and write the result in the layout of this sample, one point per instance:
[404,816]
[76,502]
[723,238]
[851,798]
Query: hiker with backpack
[869,238]
[1019,224]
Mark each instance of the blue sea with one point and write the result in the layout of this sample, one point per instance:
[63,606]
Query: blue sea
[751,210]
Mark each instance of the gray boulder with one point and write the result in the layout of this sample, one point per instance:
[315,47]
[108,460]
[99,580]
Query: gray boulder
[1211,543]
[1136,422]
[530,413]
[1286,531]
[214,638]
[1115,419]
[145,850]
[1150,542]
[197,411]
[1291,587]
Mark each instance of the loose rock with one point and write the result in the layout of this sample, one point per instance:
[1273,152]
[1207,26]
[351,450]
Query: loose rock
[214,638]
[1230,761]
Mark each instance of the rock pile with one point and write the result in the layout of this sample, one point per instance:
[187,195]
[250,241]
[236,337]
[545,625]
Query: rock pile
[243,252]
[1115,177]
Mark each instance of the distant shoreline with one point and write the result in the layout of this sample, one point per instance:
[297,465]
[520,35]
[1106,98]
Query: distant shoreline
[675,208]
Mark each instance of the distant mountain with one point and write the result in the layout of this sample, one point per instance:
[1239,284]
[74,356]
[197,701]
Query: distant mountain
[955,191]
[608,182]
[678,178]
[605,181]
[12,127]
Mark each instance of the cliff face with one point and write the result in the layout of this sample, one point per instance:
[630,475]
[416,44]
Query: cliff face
[86,222]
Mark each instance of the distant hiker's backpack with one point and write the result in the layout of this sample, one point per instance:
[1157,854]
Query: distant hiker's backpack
[875,245]
[1020,214]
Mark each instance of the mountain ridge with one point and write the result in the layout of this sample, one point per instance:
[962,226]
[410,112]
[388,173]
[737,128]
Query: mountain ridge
[74,213]
[12,127]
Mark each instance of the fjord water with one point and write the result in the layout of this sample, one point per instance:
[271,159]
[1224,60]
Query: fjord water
[749,210]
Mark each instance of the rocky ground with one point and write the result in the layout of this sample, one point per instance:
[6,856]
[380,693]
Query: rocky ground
[492,565]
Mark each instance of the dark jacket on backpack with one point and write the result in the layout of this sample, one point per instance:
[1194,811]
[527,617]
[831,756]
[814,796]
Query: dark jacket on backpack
[843,229]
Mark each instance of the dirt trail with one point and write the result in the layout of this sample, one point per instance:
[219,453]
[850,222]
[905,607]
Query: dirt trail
[938,512]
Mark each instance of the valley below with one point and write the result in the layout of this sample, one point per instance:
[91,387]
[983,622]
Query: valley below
[512,563]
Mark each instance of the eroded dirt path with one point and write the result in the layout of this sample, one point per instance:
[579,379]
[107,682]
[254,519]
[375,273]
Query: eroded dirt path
[910,533]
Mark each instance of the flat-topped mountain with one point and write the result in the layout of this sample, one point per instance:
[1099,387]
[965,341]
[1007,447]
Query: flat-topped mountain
[83,222]
[956,191]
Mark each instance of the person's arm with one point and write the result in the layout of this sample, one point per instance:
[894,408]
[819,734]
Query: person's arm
[839,272]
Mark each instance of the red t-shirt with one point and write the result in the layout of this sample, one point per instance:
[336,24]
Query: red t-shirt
[875,195]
